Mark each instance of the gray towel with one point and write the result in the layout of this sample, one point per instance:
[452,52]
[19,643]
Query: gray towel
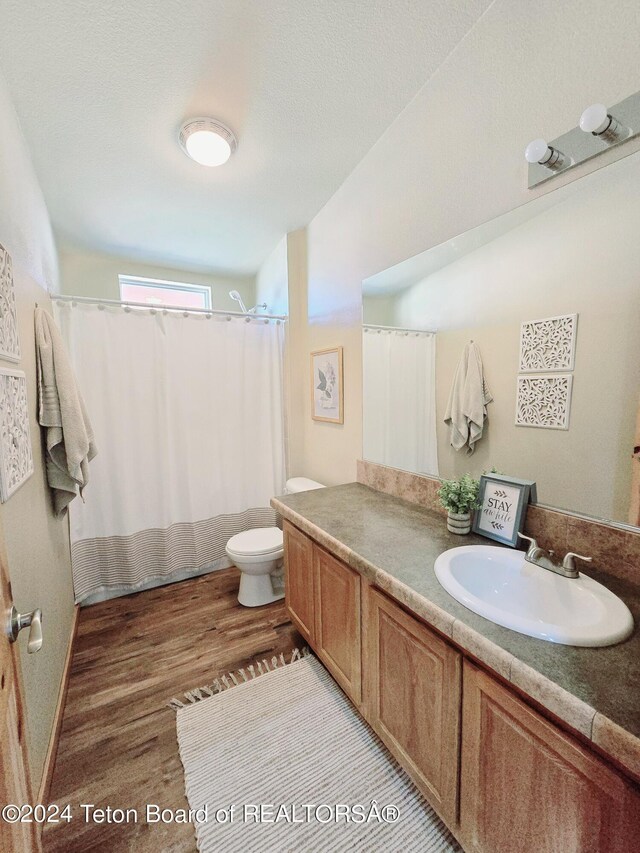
[467,407]
[61,411]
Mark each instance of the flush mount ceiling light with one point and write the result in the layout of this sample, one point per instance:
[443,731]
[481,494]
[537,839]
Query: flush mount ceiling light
[207,141]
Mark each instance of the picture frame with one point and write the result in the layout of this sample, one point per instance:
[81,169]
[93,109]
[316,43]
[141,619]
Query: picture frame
[327,391]
[503,507]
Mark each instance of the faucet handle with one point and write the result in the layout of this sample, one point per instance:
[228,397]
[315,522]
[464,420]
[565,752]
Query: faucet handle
[530,539]
[570,558]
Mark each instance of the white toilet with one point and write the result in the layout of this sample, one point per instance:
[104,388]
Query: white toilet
[258,554]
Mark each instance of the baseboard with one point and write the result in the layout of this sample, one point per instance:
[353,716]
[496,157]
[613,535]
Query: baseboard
[50,760]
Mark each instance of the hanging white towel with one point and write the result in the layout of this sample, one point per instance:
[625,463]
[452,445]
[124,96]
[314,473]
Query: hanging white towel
[69,436]
[467,407]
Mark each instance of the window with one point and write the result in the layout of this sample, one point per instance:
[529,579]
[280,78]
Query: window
[157,292]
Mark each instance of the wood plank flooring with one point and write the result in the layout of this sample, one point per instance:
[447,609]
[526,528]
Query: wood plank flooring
[118,744]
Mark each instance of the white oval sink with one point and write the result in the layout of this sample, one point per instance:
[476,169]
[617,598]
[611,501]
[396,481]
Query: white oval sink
[501,586]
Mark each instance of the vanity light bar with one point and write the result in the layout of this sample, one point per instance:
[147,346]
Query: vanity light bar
[600,129]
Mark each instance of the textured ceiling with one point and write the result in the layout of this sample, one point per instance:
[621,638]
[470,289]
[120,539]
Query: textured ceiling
[101,89]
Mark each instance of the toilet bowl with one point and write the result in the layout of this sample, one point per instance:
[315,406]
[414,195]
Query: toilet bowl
[258,553]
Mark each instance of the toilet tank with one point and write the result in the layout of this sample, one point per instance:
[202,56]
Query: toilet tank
[301,484]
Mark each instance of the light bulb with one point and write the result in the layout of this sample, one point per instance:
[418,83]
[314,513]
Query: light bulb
[208,148]
[595,119]
[538,151]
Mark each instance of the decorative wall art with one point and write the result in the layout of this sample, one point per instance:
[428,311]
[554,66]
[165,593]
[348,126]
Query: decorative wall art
[544,401]
[9,342]
[503,507]
[548,345]
[327,394]
[16,460]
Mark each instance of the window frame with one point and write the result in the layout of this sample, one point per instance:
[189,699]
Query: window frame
[162,284]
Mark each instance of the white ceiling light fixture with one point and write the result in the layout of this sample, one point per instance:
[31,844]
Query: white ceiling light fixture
[207,141]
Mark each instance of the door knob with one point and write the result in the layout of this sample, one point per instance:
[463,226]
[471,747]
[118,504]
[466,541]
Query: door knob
[33,621]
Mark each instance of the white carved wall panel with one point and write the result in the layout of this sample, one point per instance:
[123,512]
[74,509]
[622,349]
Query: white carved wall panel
[548,345]
[9,342]
[16,459]
[544,401]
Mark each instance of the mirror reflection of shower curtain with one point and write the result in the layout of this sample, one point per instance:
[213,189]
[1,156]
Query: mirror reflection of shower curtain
[188,416]
[399,392]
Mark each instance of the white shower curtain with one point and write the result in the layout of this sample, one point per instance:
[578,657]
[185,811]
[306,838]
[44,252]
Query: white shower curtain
[188,416]
[399,391]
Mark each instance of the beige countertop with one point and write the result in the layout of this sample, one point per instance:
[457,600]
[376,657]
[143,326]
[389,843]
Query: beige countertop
[394,543]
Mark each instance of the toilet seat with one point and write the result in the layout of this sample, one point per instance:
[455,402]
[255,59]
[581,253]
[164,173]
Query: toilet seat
[261,541]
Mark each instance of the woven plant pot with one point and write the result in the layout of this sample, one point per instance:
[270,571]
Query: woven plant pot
[459,522]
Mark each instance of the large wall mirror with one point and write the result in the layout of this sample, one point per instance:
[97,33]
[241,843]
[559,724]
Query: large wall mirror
[575,251]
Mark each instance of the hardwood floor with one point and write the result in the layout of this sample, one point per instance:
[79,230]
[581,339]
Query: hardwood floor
[118,744]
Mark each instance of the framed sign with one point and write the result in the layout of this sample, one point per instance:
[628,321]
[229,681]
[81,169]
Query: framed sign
[503,507]
[327,395]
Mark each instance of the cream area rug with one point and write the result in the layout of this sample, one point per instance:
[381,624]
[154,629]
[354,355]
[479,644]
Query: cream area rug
[282,762]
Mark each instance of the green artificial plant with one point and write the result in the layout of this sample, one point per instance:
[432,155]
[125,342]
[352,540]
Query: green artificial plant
[460,496]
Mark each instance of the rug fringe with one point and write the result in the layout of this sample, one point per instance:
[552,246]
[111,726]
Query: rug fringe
[233,679]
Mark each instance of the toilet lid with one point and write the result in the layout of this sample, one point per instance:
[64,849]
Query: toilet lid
[262,540]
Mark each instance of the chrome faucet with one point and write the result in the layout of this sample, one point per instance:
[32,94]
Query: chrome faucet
[544,559]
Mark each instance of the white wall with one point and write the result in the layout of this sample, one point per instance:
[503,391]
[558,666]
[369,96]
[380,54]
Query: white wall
[272,280]
[84,273]
[37,543]
[379,310]
[25,228]
[454,159]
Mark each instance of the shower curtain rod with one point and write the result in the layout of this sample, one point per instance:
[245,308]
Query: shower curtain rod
[397,329]
[119,304]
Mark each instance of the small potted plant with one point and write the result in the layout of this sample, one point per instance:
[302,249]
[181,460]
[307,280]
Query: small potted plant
[459,497]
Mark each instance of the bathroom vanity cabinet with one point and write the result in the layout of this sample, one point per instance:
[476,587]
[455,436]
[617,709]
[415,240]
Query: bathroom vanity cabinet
[501,775]
[413,681]
[522,778]
[323,600]
[338,615]
[299,581]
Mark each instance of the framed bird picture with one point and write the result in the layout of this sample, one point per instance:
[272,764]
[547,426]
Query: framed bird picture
[327,393]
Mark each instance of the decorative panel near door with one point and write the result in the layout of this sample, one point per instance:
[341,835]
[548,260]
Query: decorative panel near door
[16,459]
[9,342]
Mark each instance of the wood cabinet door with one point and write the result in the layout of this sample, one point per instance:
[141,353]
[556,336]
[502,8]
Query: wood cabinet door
[527,787]
[338,621]
[299,580]
[413,680]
